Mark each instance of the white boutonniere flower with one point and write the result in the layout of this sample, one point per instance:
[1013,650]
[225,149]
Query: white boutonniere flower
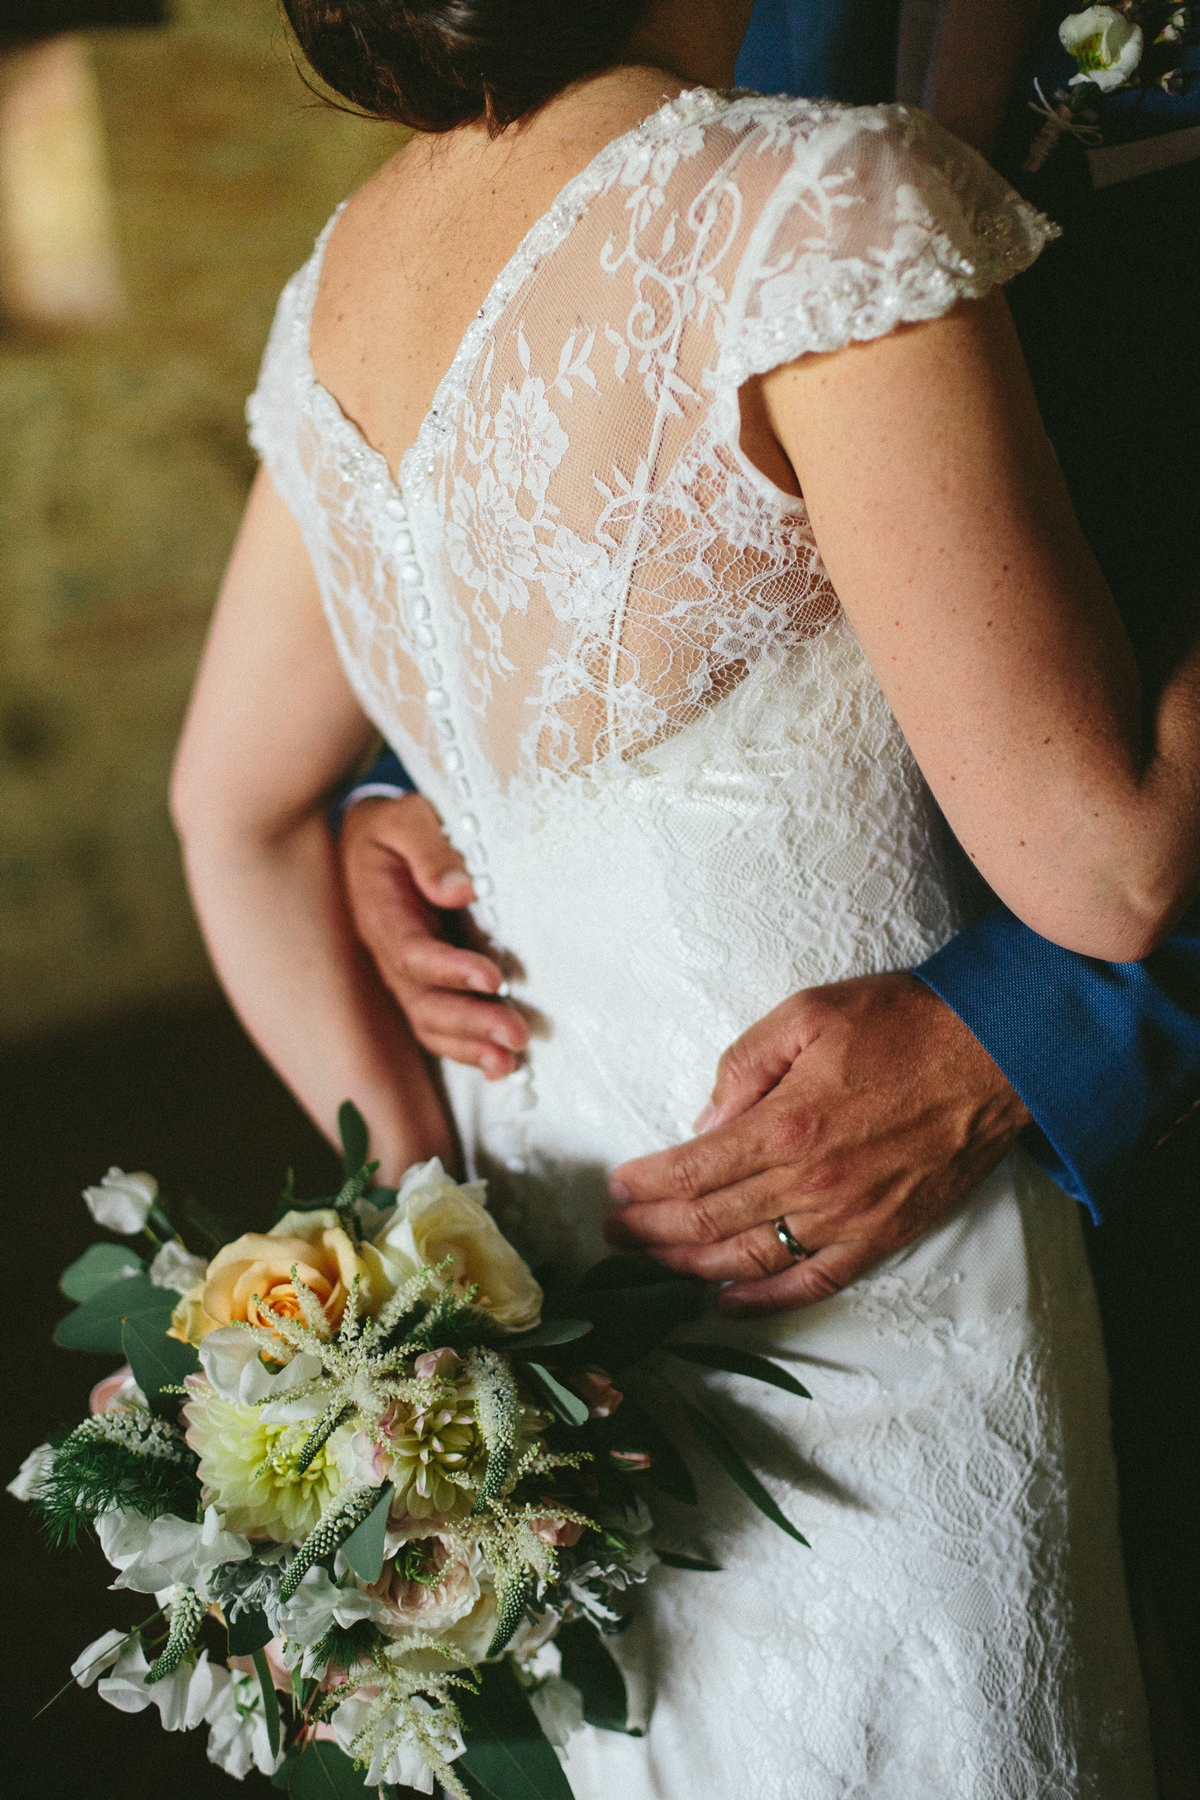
[1105,45]
[122,1202]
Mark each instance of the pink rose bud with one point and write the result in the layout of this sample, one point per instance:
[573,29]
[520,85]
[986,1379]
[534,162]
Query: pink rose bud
[561,1533]
[441,1363]
[112,1390]
[594,1386]
[630,1459]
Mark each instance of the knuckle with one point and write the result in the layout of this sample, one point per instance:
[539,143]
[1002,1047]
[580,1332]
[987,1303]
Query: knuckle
[817,1283]
[683,1178]
[705,1227]
[759,1259]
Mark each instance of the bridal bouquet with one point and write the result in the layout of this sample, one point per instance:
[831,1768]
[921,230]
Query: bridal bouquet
[364,1463]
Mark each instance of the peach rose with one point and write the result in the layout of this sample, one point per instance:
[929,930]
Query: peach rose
[424,1605]
[251,1278]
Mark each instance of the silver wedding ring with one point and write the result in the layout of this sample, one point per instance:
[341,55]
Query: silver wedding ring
[794,1248]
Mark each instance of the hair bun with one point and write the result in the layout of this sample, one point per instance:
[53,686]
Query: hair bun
[435,64]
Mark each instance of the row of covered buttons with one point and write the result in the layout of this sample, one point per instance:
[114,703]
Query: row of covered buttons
[436,698]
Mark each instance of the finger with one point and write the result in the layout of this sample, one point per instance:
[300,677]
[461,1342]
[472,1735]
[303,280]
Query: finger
[707,1219]
[489,1058]
[758,1060]
[429,961]
[411,830]
[768,1136]
[439,1013]
[751,1256]
[818,1277]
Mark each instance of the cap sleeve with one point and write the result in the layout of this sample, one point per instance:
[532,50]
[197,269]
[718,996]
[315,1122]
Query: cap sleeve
[864,218]
[277,410]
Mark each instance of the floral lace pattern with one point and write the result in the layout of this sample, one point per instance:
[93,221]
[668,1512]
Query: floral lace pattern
[606,647]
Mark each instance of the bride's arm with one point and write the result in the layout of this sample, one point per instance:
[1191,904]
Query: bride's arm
[943,520]
[271,727]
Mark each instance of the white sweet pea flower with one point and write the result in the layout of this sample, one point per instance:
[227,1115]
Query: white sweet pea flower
[318,1604]
[229,1357]
[99,1656]
[184,1699]
[175,1267]
[122,1202]
[404,1766]
[153,1554]
[238,1739]
[436,1219]
[1105,45]
[26,1483]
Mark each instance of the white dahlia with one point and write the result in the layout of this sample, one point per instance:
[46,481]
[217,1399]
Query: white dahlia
[248,1468]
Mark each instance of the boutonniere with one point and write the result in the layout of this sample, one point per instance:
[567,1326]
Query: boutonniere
[1137,44]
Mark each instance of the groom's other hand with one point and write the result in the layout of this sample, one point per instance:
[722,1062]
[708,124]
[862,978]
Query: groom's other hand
[859,1114]
[406,887]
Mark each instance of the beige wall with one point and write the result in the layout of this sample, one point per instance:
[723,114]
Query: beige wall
[123,467]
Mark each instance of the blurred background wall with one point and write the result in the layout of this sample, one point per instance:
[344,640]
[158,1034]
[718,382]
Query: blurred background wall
[166,179]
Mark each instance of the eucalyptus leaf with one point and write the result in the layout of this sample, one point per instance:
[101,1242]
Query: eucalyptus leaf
[249,1632]
[98,1267]
[96,1325]
[363,1549]
[157,1361]
[631,1322]
[215,1226]
[625,1269]
[323,1772]
[719,1447]
[587,1663]
[675,1559]
[568,1406]
[739,1362]
[270,1699]
[352,1128]
[507,1751]
[547,1334]
[633,1428]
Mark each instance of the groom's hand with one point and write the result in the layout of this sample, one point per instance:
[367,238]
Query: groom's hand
[406,887]
[859,1113]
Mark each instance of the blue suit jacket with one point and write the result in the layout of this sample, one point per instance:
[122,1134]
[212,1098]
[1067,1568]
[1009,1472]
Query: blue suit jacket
[1105,1056]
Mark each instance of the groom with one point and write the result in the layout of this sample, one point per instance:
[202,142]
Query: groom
[872,1107]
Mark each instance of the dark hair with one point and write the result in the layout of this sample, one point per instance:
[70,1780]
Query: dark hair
[435,64]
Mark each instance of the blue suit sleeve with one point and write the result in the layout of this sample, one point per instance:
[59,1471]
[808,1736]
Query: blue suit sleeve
[387,776]
[1106,1056]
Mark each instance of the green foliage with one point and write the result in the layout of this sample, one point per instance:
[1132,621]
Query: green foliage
[624,1269]
[92,1474]
[96,1325]
[675,1559]
[507,1752]
[632,1428]
[739,1362]
[566,1405]
[630,1322]
[100,1265]
[214,1225]
[157,1361]
[248,1632]
[549,1333]
[719,1447]
[364,1548]
[323,1772]
[352,1128]
[587,1663]
[348,1509]
[270,1699]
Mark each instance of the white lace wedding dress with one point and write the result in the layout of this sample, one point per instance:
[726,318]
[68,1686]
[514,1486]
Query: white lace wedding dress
[606,648]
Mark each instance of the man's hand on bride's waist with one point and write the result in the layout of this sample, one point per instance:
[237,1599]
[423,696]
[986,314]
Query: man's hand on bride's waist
[406,886]
[845,1123]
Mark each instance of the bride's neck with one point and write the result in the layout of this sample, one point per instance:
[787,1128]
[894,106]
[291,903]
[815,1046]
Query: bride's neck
[697,40]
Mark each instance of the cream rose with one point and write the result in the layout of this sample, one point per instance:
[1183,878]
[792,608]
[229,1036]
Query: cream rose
[435,1219]
[427,1606]
[251,1278]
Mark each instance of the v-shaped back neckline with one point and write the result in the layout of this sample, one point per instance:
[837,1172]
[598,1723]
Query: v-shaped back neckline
[544,235]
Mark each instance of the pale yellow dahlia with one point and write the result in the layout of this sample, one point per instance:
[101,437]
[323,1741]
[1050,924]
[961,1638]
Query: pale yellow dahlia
[248,1468]
[432,1455]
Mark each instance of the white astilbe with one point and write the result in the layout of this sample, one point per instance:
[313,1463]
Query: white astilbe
[412,1711]
[135,1428]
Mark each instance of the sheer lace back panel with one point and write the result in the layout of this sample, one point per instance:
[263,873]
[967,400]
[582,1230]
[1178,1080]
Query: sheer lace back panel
[599,637]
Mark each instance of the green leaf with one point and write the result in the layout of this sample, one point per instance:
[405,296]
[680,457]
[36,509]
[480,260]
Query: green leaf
[323,1772]
[283,1774]
[675,1559]
[548,1333]
[568,1406]
[97,1268]
[248,1633]
[363,1549]
[355,1138]
[587,1663]
[507,1751]
[719,1447]
[633,1428]
[270,1699]
[215,1226]
[96,1325]
[739,1362]
[626,1269]
[631,1322]
[157,1361]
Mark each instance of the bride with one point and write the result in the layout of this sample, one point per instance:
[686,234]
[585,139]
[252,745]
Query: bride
[655,467]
